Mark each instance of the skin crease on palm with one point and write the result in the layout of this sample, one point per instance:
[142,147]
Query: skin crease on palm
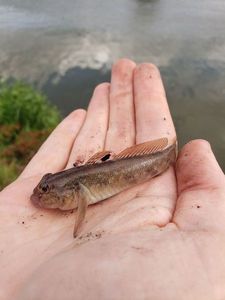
[164,239]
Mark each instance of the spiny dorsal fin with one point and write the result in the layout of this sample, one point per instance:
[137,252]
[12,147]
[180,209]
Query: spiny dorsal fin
[100,157]
[144,148]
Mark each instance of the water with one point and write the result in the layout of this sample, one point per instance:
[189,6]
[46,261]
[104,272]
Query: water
[66,47]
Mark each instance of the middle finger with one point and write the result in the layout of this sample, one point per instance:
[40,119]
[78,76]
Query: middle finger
[121,130]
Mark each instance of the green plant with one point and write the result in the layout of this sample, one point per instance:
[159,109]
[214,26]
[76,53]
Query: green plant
[26,119]
[8,172]
[8,133]
[24,146]
[22,104]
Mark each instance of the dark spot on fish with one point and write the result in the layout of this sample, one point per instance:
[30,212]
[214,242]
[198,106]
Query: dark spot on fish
[106,157]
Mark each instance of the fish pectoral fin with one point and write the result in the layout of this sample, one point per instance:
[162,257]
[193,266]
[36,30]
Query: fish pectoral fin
[144,148]
[100,157]
[81,210]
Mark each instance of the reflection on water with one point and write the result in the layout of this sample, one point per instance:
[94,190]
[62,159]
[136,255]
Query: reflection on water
[67,54]
[196,98]
[75,93]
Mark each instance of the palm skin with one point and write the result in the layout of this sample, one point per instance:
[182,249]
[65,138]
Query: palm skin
[163,239]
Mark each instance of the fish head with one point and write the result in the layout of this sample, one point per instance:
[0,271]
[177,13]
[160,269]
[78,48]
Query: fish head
[49,194]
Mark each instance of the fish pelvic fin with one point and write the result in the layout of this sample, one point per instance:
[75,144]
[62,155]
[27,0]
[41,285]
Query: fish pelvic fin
[144,148]
[82,208]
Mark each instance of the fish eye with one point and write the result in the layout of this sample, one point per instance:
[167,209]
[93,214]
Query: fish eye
[44,187]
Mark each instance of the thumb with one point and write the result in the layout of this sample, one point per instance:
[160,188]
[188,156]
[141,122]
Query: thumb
[201,188]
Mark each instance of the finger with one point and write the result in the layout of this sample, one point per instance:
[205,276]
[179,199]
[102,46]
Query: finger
[201,183]
[121,131]
[54,153]
[153,119]
[91,138]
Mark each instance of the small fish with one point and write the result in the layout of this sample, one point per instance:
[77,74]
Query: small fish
[105,174]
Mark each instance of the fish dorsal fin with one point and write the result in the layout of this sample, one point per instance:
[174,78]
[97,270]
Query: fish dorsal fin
[100,157]
[143,149]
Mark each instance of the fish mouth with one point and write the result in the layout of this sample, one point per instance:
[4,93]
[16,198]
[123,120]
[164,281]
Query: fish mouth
[35,199]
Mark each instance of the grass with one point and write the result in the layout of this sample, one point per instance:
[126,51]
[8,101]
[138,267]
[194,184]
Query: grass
[8,172]
[26,119]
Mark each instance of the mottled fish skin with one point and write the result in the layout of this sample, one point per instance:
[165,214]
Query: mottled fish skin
[102,180]
[115,176]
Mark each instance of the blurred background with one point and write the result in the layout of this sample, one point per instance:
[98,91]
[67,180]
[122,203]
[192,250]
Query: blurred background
[63,48]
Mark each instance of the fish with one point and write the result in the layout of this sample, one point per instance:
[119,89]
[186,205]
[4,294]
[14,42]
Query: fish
[104,175]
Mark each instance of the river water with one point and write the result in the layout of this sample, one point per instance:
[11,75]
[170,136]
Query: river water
[66,47]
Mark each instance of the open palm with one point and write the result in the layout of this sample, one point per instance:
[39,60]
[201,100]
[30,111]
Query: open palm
[163,239]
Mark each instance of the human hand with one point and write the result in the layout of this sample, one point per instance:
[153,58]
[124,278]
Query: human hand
[163,239]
